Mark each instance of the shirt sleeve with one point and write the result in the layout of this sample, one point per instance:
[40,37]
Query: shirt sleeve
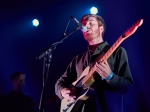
[66,79]
[122,80]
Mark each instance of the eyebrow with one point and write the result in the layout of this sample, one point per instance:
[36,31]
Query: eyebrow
[84,22]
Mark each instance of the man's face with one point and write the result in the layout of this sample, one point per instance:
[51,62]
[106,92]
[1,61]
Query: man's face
[93,29]
[19,82]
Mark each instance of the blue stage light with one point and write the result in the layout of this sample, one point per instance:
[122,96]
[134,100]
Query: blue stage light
[35,22]
[94,10]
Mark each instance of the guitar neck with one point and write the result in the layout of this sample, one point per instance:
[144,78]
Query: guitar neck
[111,49]
[89,76]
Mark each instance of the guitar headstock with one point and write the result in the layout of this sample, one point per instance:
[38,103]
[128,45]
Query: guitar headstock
[132,29]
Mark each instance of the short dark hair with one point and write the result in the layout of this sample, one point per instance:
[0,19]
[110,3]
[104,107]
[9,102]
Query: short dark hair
[15,75]
[99,19]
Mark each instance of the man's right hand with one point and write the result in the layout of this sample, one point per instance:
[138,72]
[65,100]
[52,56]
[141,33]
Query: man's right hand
[69,93]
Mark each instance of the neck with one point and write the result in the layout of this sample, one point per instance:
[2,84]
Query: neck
[17,90]
[95,41]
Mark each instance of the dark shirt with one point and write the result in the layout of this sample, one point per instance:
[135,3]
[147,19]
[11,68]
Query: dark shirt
[16,102]
[108,97]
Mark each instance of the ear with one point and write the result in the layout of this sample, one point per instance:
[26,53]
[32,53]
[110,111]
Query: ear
[101,28]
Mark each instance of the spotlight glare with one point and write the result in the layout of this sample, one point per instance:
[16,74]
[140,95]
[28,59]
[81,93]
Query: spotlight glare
[35,22]
[94,10]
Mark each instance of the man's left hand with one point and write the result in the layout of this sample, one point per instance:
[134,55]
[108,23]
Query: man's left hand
[103,69]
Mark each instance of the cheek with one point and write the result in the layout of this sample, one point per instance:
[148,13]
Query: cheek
[21,82]
[97,31]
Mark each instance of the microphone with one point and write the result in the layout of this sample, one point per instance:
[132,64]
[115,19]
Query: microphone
[81,26]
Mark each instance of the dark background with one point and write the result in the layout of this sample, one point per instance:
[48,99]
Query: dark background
[21,42]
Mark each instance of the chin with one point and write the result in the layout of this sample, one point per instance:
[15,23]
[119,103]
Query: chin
[89,39]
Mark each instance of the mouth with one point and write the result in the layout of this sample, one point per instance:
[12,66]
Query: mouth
[89,31]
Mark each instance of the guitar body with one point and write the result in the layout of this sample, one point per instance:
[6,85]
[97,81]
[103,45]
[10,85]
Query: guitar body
[84,94]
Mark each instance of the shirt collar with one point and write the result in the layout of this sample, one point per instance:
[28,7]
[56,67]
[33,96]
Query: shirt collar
[99,47]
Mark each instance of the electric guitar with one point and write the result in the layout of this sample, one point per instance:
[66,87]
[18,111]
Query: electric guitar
[86,78]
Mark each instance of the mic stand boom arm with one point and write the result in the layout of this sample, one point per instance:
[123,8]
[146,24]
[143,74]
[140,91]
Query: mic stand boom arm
[53,46]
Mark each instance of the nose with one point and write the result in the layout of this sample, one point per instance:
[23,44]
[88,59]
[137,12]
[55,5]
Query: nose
[87,25]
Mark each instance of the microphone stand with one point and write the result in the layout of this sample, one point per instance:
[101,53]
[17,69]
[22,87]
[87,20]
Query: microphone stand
[47,55]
